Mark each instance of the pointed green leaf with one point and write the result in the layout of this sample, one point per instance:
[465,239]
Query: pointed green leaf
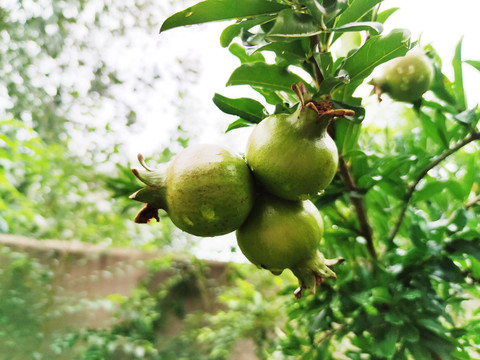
[384,15]
[271,77]
[458,75]
[387,346]
[291,51]
[316,10]
[465,247]
[232,31]
[354,12]
[217,10]
[291,25]
[240,52]
[441,86]
[324,61]
[371,26]
[330,83]
[474,63]
[469,178]
[410,333]
[248,109]
[430,129]
[237,124]
[469,116]
[377,50]
[419,351]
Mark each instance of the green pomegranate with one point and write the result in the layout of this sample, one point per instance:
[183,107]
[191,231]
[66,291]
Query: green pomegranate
[292,155]
[205,189]
[406,78]
[281,234]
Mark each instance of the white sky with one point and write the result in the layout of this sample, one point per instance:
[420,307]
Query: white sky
[439,22]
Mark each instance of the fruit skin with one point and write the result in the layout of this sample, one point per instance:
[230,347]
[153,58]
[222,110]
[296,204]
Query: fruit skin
[406,78]
[292,155]
[206,191]
[281,234]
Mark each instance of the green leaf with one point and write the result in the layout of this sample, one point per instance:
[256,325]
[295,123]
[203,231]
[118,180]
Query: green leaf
[430,129]
[316,10]
[434,188]
[412,294]
[377,50]
[217,10]
[458,74]
[381,295]
[371,26]
[324,62]
[469,178]
[395,318]
[354,12]
[474,63]
[331,83]
[441,86]
[387,346]
[272,77]
[441,123]
[384,15]
[433,325]
[238,124]
[410,333]
[418,351]
[240,52]
[465,247]
[248,109]
[291,25]
[292,51]
[232,31]
[469,117]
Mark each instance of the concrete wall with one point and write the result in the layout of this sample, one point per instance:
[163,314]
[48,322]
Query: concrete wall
[85,271]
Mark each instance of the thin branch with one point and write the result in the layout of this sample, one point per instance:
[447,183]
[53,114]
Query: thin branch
[358,205]
[472,202]
[411,189]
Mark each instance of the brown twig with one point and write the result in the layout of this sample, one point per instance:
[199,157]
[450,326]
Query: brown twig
[359,206]
[411,189]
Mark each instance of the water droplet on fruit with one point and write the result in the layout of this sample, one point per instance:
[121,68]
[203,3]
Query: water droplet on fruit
[411,69]
[400,70]
[207,212]
[186,220]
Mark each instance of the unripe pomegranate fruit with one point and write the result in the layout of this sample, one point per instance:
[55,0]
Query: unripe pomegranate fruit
[292,155]
[206,191]
[405,78]
[281,234]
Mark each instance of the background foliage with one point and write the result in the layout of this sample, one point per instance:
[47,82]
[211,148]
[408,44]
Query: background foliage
[403,209]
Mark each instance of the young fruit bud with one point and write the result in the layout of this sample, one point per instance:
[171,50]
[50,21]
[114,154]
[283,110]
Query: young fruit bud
[205,190]
[292,155]
[281,234]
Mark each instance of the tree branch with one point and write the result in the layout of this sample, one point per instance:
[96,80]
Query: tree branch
[411,189]
[358,205]
[472,202]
